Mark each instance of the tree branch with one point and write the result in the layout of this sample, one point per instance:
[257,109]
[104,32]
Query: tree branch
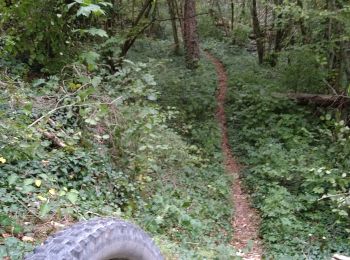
[71,105]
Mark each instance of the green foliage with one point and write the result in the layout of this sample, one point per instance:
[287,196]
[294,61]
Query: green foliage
[9,225]
[47,30]
[88,7]
[240,34]
[123,154]
[208,29]
[321,28]
[197,209]
[302,71]
[297,166]
[14,248]
[140,141]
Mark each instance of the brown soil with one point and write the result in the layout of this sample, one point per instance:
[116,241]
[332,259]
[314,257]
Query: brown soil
[246,220]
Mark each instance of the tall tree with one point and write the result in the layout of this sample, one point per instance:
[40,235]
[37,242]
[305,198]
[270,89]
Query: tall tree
[191,40]
[232,14]
[257,32]
[137,29]
[172,11]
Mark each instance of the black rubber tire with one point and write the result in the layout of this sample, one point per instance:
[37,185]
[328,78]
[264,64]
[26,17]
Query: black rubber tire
[98,239]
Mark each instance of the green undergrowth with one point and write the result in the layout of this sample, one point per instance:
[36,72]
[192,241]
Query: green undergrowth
[296,159]
[207,191]
[140,144]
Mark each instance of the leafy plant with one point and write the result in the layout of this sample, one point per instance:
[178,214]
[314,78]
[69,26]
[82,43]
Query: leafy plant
[47,39]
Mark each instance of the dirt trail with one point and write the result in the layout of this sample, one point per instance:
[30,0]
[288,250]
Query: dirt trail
[246,220]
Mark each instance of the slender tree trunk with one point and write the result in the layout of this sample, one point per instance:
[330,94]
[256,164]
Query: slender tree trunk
[179,11]
[279,35]
[338,55]
[346,54]
[232,14]
[303,29]
[120,14]
[279,30]
[191,39]
[257,31]
[131,38]
[143,11]
[171,6]
[222,19]
[265,17]
[242,16]
[133,11]
[328,36]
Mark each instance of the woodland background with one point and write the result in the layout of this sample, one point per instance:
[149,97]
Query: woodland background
[107,109]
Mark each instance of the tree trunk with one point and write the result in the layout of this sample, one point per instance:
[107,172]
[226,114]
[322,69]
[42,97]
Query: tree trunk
[243,15]
[191,40]
[232,14]
[279,36]
[303,29]
[171,6]
[222,20]
[179,11]
[132,36]
[257,31]
[133,11]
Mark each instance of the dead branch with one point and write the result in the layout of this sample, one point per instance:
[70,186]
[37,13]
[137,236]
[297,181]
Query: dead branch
[53,138]
[316,99]
[72,105]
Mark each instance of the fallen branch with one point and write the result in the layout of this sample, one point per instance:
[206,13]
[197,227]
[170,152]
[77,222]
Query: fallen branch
[333,195]
[317,99]
[27,208]
[72,105]
[52,137]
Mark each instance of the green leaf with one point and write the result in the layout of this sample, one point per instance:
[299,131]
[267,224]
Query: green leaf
[44,209]
[96,81]
[318,190]
[39,82]
[28,108]
[343,213]
[28,182]
[72,197]
[86,93]
[97,32]
[152,97]
[90,9]
[91,121]
[106,4]
[69,6]
[27,189]
[12,179]
[149,79]
[90,58]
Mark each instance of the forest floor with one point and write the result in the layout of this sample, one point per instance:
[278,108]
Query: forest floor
[246,220]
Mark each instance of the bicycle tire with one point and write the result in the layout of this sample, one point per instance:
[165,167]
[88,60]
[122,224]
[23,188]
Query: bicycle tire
[98,239]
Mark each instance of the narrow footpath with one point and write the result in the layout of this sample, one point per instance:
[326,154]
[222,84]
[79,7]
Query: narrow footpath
[246,220]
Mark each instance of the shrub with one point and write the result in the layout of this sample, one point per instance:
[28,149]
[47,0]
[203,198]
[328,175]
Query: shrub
[300,71]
